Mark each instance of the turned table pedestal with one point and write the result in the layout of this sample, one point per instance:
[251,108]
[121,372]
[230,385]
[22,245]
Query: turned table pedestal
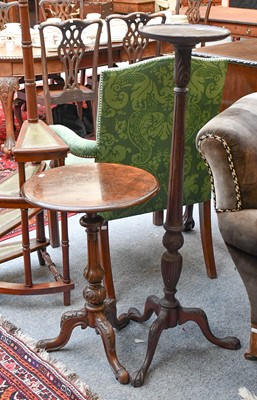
[90,189]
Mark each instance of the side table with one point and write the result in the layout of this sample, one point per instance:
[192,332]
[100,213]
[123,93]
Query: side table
[90,188]
[168,309]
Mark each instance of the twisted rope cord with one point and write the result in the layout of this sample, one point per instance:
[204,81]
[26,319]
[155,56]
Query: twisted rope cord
[231,167]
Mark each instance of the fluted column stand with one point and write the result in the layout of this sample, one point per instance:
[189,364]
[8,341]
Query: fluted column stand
[168,310]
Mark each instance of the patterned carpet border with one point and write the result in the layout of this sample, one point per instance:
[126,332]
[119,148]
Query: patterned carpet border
[25,374]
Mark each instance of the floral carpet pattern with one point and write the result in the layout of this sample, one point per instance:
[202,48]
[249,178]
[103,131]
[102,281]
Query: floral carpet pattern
[25,374]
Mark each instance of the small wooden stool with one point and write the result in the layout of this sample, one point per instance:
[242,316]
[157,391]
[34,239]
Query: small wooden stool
[90,188]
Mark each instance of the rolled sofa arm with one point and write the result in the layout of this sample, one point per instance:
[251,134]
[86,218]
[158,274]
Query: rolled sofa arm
[228,144]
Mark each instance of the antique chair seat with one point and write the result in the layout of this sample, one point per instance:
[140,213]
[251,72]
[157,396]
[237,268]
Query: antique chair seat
[228,144]
[134,121]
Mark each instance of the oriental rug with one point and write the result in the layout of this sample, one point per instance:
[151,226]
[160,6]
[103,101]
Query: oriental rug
[27,375]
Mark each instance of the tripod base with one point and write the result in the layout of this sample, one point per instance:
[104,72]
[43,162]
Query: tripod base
[84,318]
[169,318]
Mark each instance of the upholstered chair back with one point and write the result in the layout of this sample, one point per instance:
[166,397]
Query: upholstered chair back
[135,117]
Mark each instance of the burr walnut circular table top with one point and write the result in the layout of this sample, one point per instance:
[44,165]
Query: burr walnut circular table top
[91,188]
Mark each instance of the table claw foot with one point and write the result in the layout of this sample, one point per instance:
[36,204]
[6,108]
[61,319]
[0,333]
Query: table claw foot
[197,315]
[69,321]
[111,314]
[151,306]
[250,357]
[138,377]
[106,331]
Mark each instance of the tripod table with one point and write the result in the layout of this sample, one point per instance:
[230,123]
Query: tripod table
[90,189]
[168,309]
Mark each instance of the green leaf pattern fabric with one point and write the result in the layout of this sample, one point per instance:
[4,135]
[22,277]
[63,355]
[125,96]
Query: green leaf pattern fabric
[135,117]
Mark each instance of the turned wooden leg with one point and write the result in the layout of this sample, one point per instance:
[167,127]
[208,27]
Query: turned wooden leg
[8,86]
[53,228]
[158,218]
[252,353]
[206,238]
[105,260]
[93,315]
[188,220]
[26,248]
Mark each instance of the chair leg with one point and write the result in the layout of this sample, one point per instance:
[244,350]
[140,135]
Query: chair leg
[246,266]
[54,235]
[105,259]
[206,237]
[17,105]
[158,218]
[188,221]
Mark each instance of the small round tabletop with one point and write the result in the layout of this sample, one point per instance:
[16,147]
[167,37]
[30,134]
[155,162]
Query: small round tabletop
[184,34]
[90,188]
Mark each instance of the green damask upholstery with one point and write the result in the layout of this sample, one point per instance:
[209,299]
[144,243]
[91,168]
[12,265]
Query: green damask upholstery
[134,123]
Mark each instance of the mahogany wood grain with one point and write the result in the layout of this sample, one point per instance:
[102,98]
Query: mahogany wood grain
[129,6]
[241,22]
[241,76]
[91,189]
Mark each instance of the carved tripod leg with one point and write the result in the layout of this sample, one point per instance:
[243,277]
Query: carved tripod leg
[8,86]
[151,306]
[111,314]
[138,377]
[69,321]
[106,331]
[197,315]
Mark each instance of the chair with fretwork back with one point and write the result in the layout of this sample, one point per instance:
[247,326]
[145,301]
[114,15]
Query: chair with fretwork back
[134,124]
[64,9]
[134,44]
[193,10]
[5,12]
[71,51]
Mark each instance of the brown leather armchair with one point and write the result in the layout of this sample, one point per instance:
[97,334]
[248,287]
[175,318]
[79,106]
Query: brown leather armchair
[228,143]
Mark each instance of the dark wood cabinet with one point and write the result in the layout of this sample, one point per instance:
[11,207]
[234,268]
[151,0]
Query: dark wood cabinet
[103,7]
[252,4]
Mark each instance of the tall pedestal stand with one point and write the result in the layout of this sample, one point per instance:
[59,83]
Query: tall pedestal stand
[168,310]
